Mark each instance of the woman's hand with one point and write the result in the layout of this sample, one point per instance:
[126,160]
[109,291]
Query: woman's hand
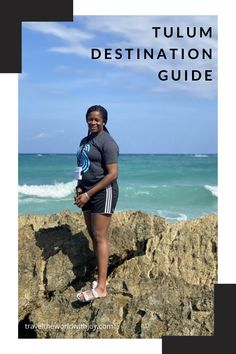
[81,199]
[78,191]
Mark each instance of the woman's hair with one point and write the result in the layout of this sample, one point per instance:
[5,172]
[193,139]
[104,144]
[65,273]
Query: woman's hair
[103,112]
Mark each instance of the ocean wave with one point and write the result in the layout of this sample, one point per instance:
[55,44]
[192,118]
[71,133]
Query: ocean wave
[212,189]
[169,215]
[146,186]
[200,155]
[142,193]
[58,190]
[31,200]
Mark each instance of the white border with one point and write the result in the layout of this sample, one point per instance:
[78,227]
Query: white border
[227,172]
[147,7]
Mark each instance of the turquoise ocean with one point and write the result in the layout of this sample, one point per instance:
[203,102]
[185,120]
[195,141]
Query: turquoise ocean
[177,187]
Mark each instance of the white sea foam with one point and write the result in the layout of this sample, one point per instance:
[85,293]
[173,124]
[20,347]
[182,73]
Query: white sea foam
[142,193]
[31,200]
[212,189]
[172,215]
[181,217]
[39,155]
[57,190]
[153,186]
[200,155]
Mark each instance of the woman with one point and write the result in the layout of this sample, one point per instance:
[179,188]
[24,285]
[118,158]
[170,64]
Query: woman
[97,191]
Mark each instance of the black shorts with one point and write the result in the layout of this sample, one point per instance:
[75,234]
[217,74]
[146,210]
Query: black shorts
[104,201]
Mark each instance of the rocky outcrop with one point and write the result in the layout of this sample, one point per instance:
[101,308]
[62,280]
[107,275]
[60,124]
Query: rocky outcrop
[161,277]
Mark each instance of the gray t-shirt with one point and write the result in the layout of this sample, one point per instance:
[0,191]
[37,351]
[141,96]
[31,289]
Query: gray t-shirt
[99,150]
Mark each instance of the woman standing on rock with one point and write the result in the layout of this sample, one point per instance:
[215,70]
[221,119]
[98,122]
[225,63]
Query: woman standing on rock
[97,190]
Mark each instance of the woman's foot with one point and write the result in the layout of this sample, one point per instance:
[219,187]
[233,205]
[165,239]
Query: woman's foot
[94,284]
[90,295]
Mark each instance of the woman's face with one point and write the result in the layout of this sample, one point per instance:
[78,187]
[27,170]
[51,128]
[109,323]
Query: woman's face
[95,122]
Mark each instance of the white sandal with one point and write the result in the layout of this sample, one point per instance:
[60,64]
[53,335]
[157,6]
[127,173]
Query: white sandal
[86,298]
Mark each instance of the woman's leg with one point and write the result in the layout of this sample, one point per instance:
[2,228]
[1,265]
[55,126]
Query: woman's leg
[100,225]
[87,219]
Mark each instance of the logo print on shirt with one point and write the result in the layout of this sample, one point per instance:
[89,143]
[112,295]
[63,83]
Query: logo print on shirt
[85,163]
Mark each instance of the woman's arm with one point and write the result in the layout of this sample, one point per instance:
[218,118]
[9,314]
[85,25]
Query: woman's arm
[112,174]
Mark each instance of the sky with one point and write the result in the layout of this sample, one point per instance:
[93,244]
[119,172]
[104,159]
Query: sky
[60,81]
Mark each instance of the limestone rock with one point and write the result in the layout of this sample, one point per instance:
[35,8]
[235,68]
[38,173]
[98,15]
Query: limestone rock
[161,277]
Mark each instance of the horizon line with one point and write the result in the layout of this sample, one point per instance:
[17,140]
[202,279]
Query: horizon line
[124,153]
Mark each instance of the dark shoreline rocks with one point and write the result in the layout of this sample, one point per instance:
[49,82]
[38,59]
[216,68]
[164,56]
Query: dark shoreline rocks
[161,277]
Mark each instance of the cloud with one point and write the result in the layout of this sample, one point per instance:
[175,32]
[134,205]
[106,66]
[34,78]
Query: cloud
[136,32]
[40,136]
[72,37]
[44,135]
